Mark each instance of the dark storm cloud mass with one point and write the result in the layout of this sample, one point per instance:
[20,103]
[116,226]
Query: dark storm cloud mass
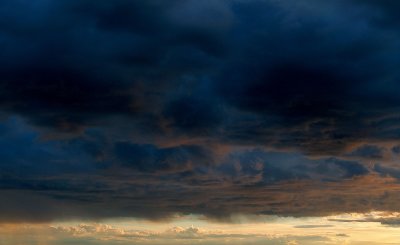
[152,108]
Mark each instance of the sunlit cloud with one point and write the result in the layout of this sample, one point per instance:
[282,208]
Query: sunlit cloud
[354,228]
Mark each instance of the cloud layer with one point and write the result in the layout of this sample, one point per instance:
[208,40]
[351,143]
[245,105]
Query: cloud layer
[152,109]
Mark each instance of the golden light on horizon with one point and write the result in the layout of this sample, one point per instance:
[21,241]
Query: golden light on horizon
[352,228]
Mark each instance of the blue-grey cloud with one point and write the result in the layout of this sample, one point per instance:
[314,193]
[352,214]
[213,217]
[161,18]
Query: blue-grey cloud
[152,108]
[368,151]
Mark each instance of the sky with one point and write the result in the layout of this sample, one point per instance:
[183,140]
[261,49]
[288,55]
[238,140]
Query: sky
[199,122]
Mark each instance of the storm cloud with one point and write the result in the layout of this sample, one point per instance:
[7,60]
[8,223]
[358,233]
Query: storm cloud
[155,108]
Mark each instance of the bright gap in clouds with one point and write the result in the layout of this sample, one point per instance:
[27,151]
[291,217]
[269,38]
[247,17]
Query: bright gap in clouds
[355,228]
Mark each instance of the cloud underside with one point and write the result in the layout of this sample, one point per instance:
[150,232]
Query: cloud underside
[154,109]
[219,202]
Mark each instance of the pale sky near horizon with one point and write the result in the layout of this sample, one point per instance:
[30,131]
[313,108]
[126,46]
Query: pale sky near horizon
[351,229]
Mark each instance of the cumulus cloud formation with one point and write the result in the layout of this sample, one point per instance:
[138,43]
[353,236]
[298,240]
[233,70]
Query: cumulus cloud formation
[107,234]
[154,109]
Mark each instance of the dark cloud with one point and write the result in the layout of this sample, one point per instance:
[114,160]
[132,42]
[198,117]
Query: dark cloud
[312,226]
[348,168]
[149,158]
[368,151]
[384,12]
[77,61]
[326,80]
[191,115]
[387,171]
[396,149]
[152,108]
[386,219]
